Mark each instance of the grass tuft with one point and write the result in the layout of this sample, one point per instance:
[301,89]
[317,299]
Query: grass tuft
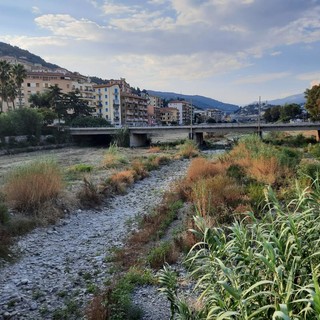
[30,186]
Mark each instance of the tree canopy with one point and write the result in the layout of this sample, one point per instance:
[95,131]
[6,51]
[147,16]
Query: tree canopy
[66,106]
[313,101]
[282,113]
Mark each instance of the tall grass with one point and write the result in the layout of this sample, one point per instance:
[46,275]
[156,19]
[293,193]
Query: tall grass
[29,186]
[113,157]
[258,269]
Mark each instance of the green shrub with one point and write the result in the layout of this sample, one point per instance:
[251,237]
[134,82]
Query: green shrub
[255,192]
[236,172]
[308,171]
[164,252]
[81,167]
[289,157]
[4,214]
[118,301]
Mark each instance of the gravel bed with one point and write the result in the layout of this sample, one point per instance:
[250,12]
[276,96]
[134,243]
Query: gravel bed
[63,264]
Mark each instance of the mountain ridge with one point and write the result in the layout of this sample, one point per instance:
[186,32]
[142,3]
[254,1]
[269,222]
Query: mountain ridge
[197,100]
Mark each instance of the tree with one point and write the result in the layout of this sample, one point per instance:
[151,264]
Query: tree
[272,114]
[5,73]
[77,106]
[313,101]
[40,100]
[57,102]
[89,121]
[19,73]
[11,79]
[290,111]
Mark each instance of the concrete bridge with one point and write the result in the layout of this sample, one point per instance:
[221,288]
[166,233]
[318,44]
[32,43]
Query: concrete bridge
[139,135]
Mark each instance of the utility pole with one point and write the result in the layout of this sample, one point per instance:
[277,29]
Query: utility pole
[259,117]
[191,116]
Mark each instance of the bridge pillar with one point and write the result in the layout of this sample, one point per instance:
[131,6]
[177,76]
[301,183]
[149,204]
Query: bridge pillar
[198,138]
[138,140]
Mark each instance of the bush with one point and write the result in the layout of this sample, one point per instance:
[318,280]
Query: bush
[4,214]
[255,192]
[188,149]
[165,252]
[89,194]
[211,196]
[203,168]
[29,186]
[308,171]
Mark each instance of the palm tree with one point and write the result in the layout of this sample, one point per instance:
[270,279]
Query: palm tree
[19,73]
[11,93]
[5,72]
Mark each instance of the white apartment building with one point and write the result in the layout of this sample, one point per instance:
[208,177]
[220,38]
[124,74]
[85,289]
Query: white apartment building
[107,102]
[185,111]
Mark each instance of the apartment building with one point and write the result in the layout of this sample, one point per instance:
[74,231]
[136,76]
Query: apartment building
[122,83]
[155,101]
[215,114]
[134,110]
[185,111]
[39,81]
[154,115]
[107,102]
[169,115]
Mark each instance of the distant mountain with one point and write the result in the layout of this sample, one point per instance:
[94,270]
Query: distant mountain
[23,55]
[297,98]
[199,101]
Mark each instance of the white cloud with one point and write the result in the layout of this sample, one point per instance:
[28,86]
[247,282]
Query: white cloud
[275,53]
[66,26]
[260,78]
[36,10]
[233,28]
[109,8]
[312,77]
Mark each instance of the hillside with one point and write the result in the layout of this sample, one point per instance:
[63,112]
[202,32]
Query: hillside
[297,98]
[199,101]
[25,55]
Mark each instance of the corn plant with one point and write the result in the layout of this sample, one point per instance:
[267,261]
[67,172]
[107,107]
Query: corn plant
[260,269]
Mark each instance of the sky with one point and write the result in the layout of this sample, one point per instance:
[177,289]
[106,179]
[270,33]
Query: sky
[234,51]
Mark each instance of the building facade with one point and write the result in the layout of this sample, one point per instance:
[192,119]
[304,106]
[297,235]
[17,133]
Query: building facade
[185,111]
[134,110]
[107,102]
[169,115]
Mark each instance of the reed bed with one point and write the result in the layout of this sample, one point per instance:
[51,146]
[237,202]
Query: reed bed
[256,269]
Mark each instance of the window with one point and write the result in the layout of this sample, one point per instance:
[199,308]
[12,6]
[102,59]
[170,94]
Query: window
[106,109]
[37,85]
[106,96]
[115,90]
[28,84]
[106,89]
[107,117]
[106,103]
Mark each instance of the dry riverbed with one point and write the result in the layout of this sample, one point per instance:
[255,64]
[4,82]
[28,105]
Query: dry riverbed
[60,266]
